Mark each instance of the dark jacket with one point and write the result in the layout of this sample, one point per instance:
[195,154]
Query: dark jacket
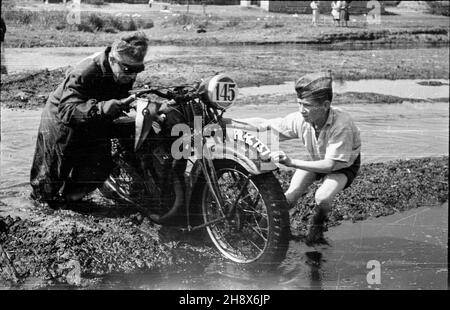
[2,30]
[72,133]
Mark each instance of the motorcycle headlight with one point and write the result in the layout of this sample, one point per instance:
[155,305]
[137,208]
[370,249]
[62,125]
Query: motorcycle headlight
[220,91]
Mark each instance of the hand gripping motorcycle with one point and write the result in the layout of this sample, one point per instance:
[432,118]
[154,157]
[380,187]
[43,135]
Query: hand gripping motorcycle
[182,163]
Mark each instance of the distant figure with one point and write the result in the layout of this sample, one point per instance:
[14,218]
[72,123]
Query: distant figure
[336,11]
[2,48]
[345,16]
[204,3]
[315,12]
[150,2]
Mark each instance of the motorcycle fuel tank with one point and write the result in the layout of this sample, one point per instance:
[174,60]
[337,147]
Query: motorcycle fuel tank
[146,112]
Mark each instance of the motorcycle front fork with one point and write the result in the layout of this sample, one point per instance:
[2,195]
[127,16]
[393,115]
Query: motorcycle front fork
[210,175]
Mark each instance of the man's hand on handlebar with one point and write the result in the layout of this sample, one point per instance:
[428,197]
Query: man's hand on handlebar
[126,102]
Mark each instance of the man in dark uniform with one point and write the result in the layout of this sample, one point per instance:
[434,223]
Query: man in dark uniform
[73,148]
[4,70]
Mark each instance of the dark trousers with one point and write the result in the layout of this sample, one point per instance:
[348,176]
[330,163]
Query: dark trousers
[68,163]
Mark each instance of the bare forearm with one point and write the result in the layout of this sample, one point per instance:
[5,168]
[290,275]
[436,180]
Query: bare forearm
[319,166]
[251,124]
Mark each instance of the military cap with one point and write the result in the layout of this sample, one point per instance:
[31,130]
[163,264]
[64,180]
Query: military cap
[131,48]
[315,86]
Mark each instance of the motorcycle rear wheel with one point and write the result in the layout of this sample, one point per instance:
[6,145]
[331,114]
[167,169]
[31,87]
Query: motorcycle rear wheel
[257,232]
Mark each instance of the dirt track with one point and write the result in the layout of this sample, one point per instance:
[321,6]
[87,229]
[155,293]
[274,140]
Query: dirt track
[31,89]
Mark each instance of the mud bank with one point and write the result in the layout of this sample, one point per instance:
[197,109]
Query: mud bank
[262,67]
[76,247]
[381,189]
[273,32]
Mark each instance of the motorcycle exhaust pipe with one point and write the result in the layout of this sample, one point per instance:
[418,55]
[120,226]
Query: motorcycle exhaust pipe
[112,186]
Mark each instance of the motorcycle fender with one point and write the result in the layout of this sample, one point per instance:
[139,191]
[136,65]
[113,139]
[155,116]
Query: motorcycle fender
[146,112]
[256,160]
[249,157]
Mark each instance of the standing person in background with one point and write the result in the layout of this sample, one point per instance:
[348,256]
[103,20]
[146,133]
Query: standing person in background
[315,12]
[344,18]
[150,3]
[204,3]
[2,48]
[335,11]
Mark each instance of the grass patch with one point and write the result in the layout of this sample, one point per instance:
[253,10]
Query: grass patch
[92,22]
[37,19]
[269,25]
[113,24]
[181,20]
[438,8]
[184,19]
[233,22]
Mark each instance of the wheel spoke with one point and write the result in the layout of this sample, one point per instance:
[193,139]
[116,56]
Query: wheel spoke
[262,237]
[245,197]
[241,236]
[233,175]
[256,202]
[255,245]
[252,209]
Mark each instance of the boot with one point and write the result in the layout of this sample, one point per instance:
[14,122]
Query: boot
[55,203]
[316,228]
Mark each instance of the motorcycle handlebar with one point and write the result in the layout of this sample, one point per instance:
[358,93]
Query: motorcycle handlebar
[169,95]
[140,92]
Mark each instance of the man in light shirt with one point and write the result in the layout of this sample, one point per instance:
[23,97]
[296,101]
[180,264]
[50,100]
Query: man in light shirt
[332,141]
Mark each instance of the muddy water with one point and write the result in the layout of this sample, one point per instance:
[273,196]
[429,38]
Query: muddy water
[404,251]
[388,132]
[408,89]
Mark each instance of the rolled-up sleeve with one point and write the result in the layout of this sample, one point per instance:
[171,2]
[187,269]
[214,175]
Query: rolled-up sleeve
[340,144]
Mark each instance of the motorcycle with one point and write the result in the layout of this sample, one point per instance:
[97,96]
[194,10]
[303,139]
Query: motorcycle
[224,184]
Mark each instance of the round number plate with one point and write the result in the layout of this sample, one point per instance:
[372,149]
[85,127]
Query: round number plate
[222,91]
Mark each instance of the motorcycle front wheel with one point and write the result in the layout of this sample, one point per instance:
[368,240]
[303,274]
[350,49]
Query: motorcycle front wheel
[252,225]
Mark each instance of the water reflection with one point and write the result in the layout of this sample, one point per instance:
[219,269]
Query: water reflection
[314,260]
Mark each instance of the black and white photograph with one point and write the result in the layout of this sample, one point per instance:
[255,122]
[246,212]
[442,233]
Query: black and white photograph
[241,147]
